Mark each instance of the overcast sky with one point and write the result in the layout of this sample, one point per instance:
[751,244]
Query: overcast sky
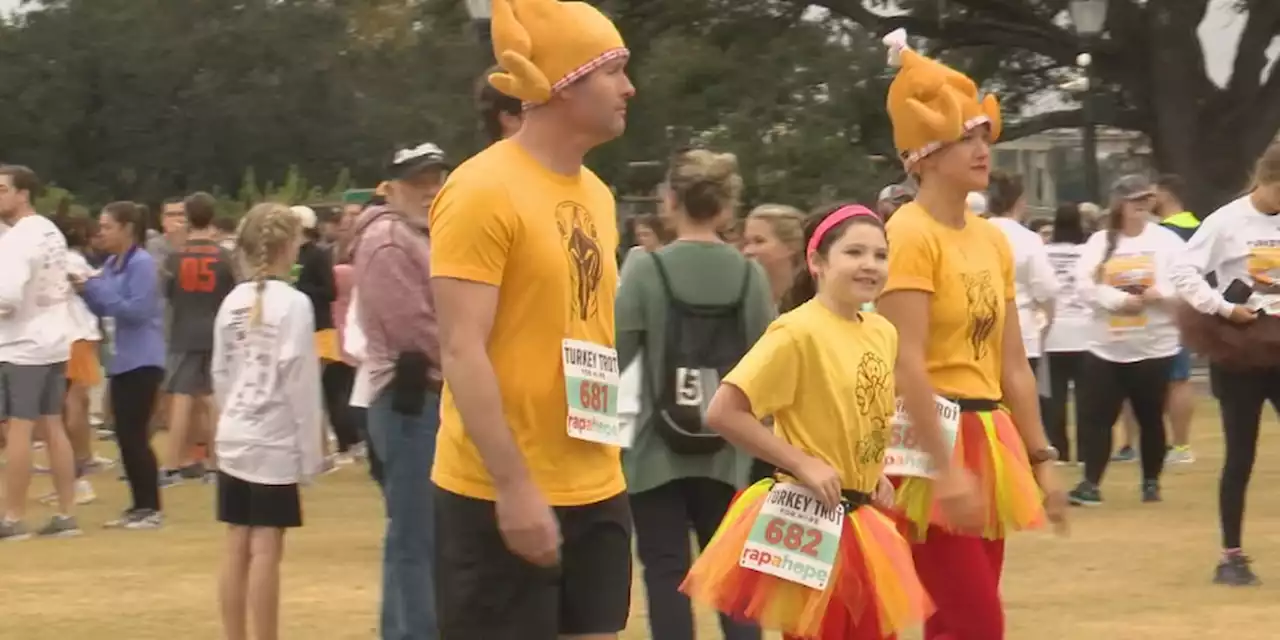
[1219,34]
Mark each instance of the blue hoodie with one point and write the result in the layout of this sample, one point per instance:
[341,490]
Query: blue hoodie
[128,291]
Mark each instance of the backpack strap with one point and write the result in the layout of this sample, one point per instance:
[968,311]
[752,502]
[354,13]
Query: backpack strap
[746,283]
[665,280]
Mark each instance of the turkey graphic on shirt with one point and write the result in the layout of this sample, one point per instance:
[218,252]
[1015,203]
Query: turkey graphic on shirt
[871,392]
[983,305]
[586,262]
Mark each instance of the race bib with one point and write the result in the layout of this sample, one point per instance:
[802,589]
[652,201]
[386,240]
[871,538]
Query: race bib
[1131,274]
[902,456]
[591,390]
[794,538]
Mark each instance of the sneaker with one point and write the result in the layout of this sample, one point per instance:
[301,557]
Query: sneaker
[1151,491]
[60,527]
[193,471]
[329,466]
[169,478]
[1180,455]
[1234,571]
[13,531]
[98,463]
[84,494]
[1125,454]
[1086,494]
[137,519]
[105,435]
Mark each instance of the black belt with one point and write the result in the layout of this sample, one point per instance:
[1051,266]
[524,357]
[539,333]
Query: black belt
[854,499]
[972,405]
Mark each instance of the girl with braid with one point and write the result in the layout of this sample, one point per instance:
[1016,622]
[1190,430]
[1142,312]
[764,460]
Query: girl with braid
[266,380]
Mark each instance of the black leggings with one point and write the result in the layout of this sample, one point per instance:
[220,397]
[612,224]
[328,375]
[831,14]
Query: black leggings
[336,382]
[133,397]
[1240,397]
[1104,386]
[663,517]
[1064,368]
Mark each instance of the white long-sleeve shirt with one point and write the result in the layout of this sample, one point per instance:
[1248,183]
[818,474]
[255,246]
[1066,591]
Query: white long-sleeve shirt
[35,316]
[1034,281]
[266,379]
[1140,261]
[1238,242]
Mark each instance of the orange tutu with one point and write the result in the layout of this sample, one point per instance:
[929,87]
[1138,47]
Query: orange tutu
[989,446]
[873,592]
[83,367]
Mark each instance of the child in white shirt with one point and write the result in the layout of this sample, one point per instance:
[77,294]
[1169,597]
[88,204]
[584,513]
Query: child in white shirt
[266,380]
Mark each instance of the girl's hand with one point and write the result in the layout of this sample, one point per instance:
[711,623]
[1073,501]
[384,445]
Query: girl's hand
[1151,296]
[822,479]
[884,494]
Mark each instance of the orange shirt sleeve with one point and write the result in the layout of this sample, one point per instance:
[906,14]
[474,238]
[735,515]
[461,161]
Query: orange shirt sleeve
[472,232]
[769,372]
[913,257]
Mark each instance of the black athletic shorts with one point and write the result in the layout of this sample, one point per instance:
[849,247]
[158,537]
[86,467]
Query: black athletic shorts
[249,504]
[485,591]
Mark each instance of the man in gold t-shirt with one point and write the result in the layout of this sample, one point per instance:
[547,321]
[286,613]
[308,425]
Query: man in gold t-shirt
[533,524]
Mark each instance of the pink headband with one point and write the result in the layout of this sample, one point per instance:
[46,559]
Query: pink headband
[834,218]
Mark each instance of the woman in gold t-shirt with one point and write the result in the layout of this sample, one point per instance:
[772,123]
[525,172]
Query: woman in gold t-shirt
[950,294]
[824,371]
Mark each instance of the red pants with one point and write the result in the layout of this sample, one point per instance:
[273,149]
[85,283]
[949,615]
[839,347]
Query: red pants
[962,575]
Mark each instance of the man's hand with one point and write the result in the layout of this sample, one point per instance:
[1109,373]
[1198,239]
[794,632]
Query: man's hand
[528,525]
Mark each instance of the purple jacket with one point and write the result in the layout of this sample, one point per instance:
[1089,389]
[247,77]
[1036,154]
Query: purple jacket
[392,259]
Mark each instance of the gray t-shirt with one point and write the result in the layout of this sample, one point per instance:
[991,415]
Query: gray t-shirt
[701,273]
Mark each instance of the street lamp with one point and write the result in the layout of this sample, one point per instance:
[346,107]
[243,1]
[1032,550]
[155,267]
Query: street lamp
[481,12]
[1090,19]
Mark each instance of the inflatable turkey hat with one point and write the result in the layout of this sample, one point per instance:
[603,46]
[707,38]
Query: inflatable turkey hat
[543,46]
[932,105]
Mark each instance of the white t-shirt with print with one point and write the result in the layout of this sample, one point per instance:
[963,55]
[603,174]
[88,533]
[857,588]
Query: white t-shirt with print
[35,315]
[1141,261]
[266,378]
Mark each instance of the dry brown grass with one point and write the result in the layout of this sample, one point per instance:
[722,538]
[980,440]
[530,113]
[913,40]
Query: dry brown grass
[1128,571]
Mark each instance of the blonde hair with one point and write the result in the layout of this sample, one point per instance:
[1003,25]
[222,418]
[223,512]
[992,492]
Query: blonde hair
[1266,171]
[787,223]
[266,233]
[705,183]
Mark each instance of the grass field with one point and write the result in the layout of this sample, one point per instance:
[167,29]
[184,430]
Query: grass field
[1128,571]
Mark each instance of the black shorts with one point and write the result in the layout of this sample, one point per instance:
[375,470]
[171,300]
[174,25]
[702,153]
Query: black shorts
[485,591]
[249,504]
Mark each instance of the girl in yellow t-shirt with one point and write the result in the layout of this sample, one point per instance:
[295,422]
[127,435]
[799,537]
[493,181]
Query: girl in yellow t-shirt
[824,371]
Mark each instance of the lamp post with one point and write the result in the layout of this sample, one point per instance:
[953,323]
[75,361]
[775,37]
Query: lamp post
[481,12]
[1090,19]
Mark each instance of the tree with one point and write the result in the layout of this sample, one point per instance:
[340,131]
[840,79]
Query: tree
[1151,69]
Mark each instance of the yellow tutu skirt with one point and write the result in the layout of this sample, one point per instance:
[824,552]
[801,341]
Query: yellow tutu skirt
[873,592]
[989,446]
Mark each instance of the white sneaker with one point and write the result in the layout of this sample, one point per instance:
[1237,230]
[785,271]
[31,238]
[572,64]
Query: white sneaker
[84,494]
[1180,455]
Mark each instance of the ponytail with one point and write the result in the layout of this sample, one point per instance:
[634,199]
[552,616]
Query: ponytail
[802,290]
[1115,218]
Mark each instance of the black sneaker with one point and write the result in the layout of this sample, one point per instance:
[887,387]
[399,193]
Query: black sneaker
[1086,494]
[193,471]
[1151,491]
[1234,571]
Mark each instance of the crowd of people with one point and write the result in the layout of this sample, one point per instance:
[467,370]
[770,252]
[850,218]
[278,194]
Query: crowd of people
[850,410]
